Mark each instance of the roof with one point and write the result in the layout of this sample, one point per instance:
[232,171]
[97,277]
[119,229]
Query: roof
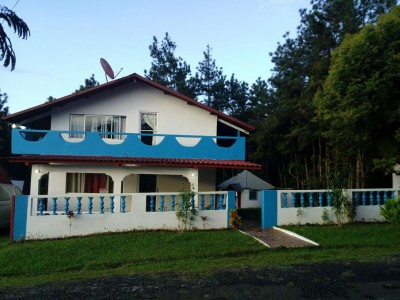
[141,161]
[246,180]
[85,94]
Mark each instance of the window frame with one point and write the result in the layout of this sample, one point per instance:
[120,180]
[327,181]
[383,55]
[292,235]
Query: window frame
[107,121]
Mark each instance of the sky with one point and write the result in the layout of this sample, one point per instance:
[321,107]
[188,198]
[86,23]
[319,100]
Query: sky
[68,38]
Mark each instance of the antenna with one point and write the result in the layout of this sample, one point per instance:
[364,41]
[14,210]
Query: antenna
[108,71]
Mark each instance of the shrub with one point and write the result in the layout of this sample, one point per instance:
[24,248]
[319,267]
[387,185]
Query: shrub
[235,221]
[391,210]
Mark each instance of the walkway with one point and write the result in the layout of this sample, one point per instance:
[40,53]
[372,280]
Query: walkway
[274,238]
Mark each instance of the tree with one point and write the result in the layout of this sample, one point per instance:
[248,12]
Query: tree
[238,98]
[4,126]
[210,83]
[359,104]
[90,82]
[20,28]
[301,65]
[168,70]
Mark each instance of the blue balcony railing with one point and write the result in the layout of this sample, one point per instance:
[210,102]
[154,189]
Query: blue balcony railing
[46,142]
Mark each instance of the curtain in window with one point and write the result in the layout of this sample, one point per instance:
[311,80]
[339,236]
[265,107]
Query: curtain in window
[151,120]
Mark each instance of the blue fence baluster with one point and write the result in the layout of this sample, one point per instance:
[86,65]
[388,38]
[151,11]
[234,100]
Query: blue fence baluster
[310,199]
[202,202]
[54,205]
[172,202]
[112,204]
[355,197]
[285,200]
[302,199]
[220,201]
[152,203]
[371,198]
[66,206]
[79,205]
[328,200]
[393,195]
[363,199]
[90,205]
[320,199]
[378,197]
[40,206]
[102,204]
[385,197]
[293,200]
[192,203]
[211,202]
[162,203]
[123,204]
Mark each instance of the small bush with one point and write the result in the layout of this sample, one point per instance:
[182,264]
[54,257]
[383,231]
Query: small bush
[391,210]
[235,221]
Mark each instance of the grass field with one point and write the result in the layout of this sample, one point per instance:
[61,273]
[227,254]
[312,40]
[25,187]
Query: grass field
[190,252]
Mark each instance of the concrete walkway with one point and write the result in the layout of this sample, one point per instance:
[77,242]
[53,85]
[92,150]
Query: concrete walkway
[275,237]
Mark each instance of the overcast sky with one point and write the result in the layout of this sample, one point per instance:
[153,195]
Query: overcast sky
[68,38]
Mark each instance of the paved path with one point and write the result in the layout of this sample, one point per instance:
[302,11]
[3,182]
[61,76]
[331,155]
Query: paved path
[273,238]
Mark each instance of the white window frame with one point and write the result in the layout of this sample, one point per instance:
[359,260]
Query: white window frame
[82,125]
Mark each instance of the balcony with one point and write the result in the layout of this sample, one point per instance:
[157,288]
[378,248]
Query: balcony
[46,142]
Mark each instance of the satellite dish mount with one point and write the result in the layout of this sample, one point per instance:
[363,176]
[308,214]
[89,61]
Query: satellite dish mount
[108,71]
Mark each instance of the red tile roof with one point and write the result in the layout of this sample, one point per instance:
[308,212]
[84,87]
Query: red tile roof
[142,161]
[85,94]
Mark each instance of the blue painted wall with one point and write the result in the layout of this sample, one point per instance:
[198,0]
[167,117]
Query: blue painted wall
[20,215]
[269,208]
[47,142]
[230,204]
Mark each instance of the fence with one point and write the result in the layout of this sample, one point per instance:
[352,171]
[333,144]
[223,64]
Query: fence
[285,207]
[40,217]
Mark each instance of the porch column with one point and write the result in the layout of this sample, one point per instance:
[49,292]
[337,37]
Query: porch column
[192,176]
[117,179]
[35,177]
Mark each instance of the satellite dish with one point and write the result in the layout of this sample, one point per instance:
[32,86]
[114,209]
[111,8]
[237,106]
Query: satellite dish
[107,69]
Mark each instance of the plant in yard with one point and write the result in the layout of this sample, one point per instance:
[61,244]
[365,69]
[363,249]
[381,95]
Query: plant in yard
[342,206]
[235,221]
[204,220]
[325,216]
[299,215]
[70,214]
[391,210]
[186,209]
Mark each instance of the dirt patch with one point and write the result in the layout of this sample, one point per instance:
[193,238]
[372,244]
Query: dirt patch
[341,280]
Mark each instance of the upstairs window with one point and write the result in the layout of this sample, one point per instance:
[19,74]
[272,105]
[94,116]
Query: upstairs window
[97,123]
[148,125]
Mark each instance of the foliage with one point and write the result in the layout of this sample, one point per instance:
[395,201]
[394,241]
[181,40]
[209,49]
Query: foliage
[299,215]
[325,216]
[4,126]
[342,206]
[10,18]
[168,70]
[359,102]
[391,210]
[89,82]
[235,221]
[187,211]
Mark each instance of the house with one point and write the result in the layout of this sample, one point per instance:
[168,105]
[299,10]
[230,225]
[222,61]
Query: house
[130,135]
[248,187]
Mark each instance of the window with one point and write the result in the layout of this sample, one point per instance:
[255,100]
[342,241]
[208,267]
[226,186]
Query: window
[253,195]
[97,123]
[148,125]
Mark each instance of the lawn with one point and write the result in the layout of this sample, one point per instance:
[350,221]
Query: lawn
[190,252]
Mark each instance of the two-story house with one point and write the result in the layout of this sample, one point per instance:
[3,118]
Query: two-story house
[130,135]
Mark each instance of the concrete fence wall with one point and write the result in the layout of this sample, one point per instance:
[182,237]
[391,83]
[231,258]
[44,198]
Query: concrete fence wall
[35,219]
[287,207]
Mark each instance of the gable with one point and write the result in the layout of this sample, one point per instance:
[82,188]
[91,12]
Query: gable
[88,96]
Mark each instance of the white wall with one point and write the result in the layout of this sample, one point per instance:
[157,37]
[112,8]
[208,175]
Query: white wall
[246,202]
[58,226]
[175,116]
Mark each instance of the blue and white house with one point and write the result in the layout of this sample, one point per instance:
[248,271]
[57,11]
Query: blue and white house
[115,157]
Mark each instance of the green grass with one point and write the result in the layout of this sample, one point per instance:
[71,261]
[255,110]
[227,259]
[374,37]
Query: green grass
[191,253]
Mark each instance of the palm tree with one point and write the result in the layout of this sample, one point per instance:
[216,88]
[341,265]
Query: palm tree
[20,28]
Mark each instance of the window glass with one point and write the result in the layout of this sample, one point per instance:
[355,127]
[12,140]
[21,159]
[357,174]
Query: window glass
[97,123]
[253,195]
[148,125]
